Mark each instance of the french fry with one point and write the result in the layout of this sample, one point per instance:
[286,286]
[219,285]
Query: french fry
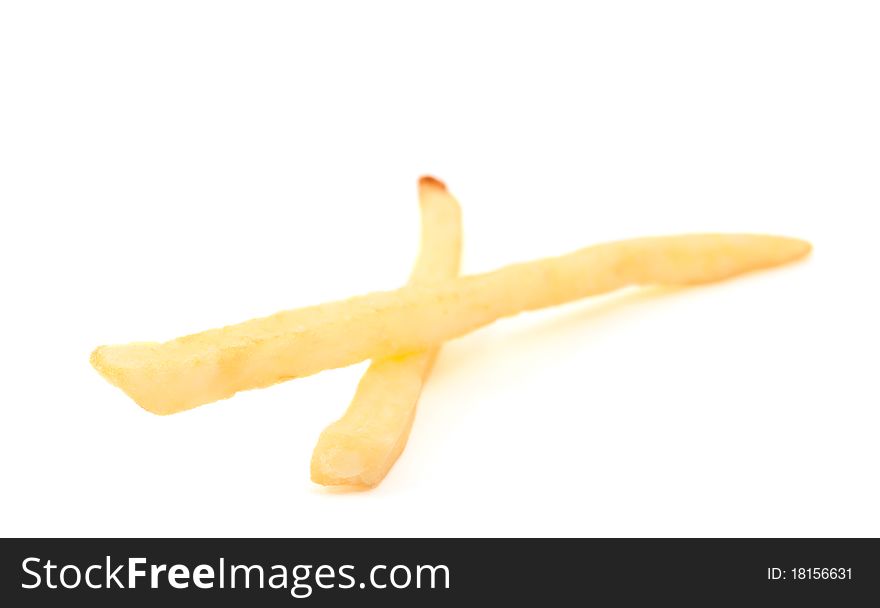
[172,376]
[361,447]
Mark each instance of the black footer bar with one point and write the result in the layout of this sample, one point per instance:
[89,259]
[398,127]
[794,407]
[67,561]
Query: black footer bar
[427,572]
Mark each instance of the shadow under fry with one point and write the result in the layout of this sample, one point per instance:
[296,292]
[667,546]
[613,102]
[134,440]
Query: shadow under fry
[572,317]
[319,489]
[431,428]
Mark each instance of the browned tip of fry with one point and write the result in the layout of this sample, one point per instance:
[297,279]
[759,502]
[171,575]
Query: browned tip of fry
[426,181]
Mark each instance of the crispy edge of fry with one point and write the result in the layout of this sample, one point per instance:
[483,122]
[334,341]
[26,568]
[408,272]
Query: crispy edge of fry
[359,449]
[180,374]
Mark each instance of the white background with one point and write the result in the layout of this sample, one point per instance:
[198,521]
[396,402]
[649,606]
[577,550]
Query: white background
[166,167]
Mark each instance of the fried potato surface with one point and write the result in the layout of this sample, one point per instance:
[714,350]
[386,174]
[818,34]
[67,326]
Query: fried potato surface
[361,447]
[180,374]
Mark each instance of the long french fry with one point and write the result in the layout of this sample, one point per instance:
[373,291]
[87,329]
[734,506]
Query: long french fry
[361,447]
[180,374]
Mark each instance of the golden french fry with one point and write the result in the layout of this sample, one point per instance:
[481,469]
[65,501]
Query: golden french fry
[180,374]
[361,447]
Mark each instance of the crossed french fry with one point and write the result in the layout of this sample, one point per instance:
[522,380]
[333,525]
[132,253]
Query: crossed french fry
[401,330]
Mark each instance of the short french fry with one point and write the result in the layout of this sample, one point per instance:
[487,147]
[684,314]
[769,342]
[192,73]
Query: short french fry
[180,374]
[361,447]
